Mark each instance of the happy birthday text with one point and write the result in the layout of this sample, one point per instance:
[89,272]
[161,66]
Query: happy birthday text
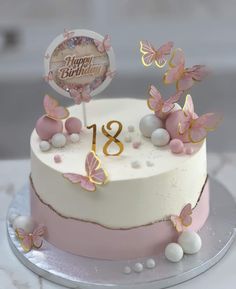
[79,66]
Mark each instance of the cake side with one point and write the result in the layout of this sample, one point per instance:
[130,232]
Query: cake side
[133,196]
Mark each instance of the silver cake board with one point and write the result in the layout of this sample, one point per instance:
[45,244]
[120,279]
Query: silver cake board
[80,272]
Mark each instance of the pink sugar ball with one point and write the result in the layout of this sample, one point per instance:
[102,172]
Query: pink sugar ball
[47,127]
[189,150]
[172,126]
[73,125]
[176,146]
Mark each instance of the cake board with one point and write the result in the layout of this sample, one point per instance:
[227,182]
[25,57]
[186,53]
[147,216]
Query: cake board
[74,271]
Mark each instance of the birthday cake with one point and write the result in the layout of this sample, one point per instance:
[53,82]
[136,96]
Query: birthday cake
[131,179]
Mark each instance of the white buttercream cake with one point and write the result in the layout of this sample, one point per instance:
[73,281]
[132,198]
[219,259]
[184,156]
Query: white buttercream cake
[146,186]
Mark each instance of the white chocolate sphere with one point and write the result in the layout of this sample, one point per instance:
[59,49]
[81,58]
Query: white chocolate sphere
[160,137]
[174,252]
[44,146]
[12,217]
[58,140]
[190,241]
[150,263]
[74,137]
[149,123]
[127,270]
[24,222]
[138,267]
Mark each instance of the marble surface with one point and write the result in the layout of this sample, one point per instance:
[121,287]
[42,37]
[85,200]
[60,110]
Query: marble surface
[13,275]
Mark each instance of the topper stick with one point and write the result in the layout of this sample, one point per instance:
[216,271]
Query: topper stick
[84,114]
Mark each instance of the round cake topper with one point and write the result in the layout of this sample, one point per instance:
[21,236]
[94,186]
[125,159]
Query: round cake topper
[79,63]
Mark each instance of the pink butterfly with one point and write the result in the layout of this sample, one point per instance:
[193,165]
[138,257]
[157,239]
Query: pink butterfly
[197,127]
[162,108]
[95,174]
[151,54]
[53,110]
[184,219]
[110,73]
[31,240]
[184,77]
[81,95]
[48,77]
[104,45]
[68,34]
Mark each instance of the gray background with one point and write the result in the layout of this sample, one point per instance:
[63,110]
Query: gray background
[204,29]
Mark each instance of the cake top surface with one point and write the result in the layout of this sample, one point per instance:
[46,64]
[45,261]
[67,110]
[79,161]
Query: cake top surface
[145,161]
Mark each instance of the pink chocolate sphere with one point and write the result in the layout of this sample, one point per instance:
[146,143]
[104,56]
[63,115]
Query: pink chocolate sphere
[47,127]
[172,125]
[176,146]
[189,150]
[73,125]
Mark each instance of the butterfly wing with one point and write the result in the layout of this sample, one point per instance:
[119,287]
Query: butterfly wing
[148,52]
[185,82]
[49,103]
[87,184]
[176,67]
[189,114]
[169,103]
[198,72]
[37,236]
[99,45]
[59,112]
[68,34]
[176,221]
[110,73]
[203,124]
[73,178]
[99,176]
[82,180]
[86,97]
[96,174]
[53,110]
[165,49]
[184,125]
[155,101]
[25,239]
[185,215]
[188,108]
[48,77]
[162,52]
[107,42]
[76,95]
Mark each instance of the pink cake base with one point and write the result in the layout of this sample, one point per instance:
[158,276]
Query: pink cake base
[93,240]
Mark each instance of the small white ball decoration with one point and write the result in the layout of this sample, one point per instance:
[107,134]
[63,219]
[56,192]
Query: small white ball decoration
[12,217]
[150,263]
[44,146]
[58,140]
[138,267]
[127,270]
[135,164]
[131,128]
[160,137]
[174,252]
[149,164]
[128,138]
[190,242]
[149,123]
[24,222]
[74,137]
